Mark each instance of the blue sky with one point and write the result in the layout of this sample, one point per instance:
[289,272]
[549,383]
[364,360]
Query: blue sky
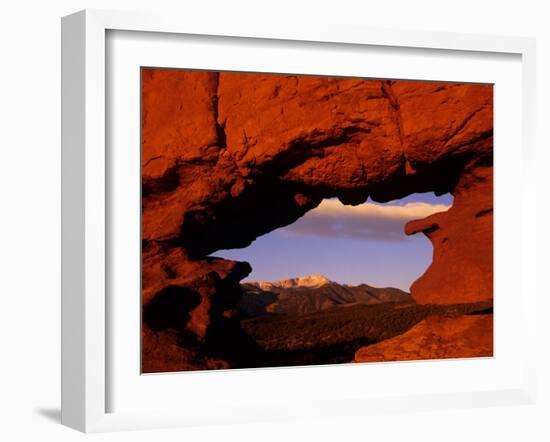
[353,245]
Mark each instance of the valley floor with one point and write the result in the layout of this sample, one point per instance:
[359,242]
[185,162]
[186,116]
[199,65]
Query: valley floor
[335,335]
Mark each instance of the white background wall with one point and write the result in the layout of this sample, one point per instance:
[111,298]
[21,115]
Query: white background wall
[30,217]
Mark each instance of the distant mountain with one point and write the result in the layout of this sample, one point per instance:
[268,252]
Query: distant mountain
[309,281]
[311,293]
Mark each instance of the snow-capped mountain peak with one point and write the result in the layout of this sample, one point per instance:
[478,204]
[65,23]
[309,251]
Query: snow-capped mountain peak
[301,281]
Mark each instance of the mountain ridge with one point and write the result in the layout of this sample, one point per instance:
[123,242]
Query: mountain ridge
[311,293]
[312,280]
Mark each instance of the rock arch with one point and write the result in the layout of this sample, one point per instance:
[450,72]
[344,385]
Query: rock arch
[231,156]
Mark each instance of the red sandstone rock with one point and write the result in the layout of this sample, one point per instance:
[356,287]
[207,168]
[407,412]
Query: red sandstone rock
[209,281]
[462,237]
[436,337]
[161,352]
[227,157]
[337,137]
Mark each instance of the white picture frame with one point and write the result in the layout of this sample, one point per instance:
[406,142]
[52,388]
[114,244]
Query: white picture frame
[85,310]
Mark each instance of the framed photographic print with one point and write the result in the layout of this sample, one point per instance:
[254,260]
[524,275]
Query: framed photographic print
[252,212]
[286,176]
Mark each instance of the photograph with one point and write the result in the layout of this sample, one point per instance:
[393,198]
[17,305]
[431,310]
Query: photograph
[299,220]
[287,221]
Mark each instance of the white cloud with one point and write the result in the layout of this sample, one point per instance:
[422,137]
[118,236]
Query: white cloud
[366,221]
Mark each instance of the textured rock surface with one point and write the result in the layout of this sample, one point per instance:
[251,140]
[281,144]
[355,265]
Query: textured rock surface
[436,337]
[462,237]
[227,157]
